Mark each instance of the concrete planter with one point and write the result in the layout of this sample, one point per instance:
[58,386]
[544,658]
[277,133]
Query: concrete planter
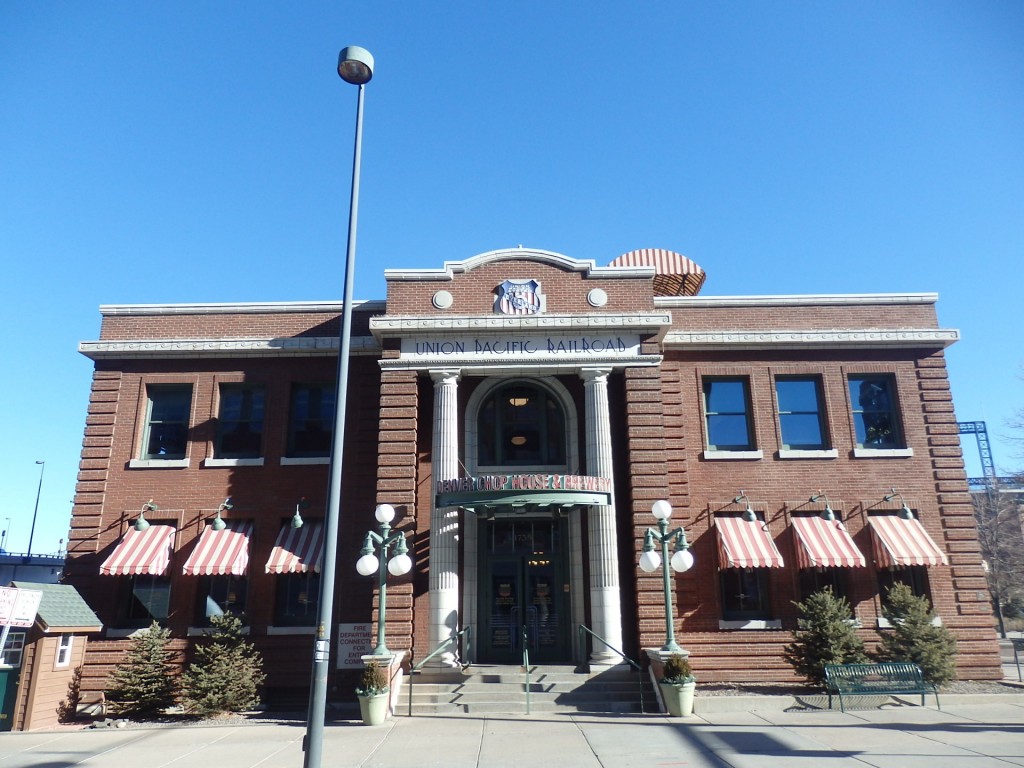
[374,709]
[678,698]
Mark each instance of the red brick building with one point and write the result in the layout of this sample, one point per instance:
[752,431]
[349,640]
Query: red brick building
[522,410]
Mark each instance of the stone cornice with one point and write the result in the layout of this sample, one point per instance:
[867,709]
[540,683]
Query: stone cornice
[304,346]
[383,327]
[503,363]
[797,300]
[588,267]
[244,308]
[803,339]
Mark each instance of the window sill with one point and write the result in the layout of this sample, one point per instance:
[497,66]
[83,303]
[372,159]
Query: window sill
[157,463]
[296,460]
[201,631]
[291,630]
[233,462]
[124,631]
[884,623]
[733,455]
[882,453]
[795,453]
[751,624]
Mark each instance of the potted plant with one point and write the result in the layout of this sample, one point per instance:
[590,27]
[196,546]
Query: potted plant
[677,685]
[373,693]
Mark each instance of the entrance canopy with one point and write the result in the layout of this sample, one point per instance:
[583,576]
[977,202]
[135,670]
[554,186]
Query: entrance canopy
[297,550]
[745,544]
[543,490]
[221,552]
[903,541]
[139,553]
[825,543]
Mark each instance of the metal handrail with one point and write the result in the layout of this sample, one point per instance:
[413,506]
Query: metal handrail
[526,665]
[582,646]
[416,668]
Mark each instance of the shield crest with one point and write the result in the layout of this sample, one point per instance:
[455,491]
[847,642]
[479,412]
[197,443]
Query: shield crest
[519,297]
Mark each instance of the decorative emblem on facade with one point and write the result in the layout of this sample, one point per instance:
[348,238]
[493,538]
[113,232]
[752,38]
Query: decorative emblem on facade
[519,297]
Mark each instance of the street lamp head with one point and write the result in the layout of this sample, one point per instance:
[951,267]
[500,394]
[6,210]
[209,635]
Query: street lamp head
[650,561]
[682,560]
[661,510]
[399,565]
[367,565]
[355,65]
[384,513]
[40,461]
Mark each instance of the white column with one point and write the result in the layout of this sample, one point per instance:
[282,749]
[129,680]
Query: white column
[444,521]
[605,605]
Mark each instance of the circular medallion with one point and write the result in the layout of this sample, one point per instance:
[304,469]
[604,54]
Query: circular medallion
[597,297]
[443,299]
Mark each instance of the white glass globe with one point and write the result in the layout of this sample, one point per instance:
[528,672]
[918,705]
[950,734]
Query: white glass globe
[367,565]
[650,561]
[682,560]
[399,565]
[661,510]
[384,513]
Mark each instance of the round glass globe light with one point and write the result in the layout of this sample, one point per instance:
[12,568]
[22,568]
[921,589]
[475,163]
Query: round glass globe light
[661,510]
[367,565]
[650,561]
[400,565]
[682,561]
[384,513]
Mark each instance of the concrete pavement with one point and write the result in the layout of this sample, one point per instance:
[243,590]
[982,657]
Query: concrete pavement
[975,735]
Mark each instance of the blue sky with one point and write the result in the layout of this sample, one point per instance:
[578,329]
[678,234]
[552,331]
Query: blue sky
[198,151]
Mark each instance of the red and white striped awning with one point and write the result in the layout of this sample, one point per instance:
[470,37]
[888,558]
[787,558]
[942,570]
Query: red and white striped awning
[824,543]
[223,552]
[297,550]
[903,541]
[745,544]
[145,552]
[674,274]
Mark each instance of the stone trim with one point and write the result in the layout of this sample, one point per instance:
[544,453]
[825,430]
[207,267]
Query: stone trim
[796,339]
[797,300]
[452,268]
[300,346]
[243,308]
[383,327]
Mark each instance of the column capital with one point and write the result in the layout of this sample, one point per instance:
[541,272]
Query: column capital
[442,375]
[594,374]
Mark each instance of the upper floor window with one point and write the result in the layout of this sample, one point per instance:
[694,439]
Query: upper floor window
[801,421]
[311,420]
[240,422]
[521,425]
[167,419]
[727,414]
[875,417]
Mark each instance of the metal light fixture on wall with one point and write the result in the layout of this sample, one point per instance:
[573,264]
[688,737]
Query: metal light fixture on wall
[748,512]
[905,511]
[827,513]
[297,521]
[218,523]
[142,523]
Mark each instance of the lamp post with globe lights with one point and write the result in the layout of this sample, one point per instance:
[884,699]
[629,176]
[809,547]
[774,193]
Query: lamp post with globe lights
[681,560]
[397,563]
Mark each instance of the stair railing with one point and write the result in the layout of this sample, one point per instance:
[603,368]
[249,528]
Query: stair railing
[583,631]
[526,665]
[467,632]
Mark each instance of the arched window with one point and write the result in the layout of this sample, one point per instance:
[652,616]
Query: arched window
[521,425]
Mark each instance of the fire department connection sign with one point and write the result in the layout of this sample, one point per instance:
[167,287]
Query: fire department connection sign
[18,607]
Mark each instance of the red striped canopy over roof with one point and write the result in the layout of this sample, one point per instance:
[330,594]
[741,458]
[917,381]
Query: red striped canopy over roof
[745,543]
[221,552]
[297,550]
[903,541]
[145,552]
[674,274]
[824,543]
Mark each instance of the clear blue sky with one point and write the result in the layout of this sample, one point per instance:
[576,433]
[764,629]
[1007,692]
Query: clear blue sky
[201,151]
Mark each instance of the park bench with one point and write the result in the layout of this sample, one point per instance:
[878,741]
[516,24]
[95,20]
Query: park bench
[894,678]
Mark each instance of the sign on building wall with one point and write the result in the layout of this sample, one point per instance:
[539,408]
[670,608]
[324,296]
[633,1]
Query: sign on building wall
[354,642]
[557,346]
[18,607]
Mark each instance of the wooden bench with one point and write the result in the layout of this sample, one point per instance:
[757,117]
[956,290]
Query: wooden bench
[892,678]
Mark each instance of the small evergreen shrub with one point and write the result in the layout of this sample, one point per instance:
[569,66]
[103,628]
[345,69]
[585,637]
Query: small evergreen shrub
[144,683]
[677,670]
[825,635]
[914,638]
[373,681]
[226,673]
[67,710]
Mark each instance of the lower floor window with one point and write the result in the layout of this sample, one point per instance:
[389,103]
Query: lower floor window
[744,593]
[220,595]
[149,600]
[816,579]
[297,597]
[914,576]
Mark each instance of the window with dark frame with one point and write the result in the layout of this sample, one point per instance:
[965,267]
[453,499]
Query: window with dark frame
[727,414]
[167,419]
[914,576]
[311,420]
[801,417]
[875,415]
[148,600]
[816,579]
[744,593]
[221,595]
[521,425]
[240,422]
[297,595]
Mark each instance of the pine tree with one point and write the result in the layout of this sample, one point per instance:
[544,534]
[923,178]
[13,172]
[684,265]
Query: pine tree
[226,673]
[144,683]
[826,635]
[914,638]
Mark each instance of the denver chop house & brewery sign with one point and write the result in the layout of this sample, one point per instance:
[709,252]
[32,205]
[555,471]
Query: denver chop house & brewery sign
[520,490]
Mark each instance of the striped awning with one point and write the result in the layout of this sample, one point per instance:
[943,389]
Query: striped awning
[145,552]
[297,550]
[219,553]
[824,543]
[674,274]
[745,544]
[903,541]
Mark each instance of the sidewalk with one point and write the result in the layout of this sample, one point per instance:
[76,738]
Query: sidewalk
[978,735]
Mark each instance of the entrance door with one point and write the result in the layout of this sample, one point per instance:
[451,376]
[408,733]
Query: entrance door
[10,671]
[525,591]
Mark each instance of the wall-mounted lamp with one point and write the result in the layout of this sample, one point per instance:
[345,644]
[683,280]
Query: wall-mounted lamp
[748,512]
[218,523]
[827,513]
[297,520]
[905,512]
[142,523]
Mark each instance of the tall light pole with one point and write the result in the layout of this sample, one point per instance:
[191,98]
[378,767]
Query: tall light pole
[682,560]
[35,512]
[355,65]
